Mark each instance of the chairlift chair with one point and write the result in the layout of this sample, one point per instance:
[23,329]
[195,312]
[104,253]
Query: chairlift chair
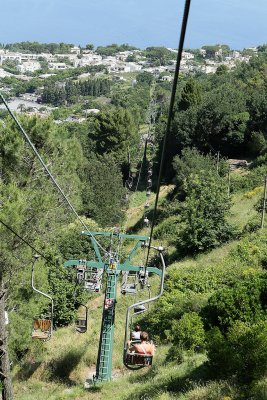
[92,280]
[135,361]
[129,283]
[42,328]
[139,309]
[131,360]
[82,323]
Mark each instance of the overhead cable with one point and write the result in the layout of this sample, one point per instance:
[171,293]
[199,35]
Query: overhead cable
[170,114]
[47,170]
[24,241]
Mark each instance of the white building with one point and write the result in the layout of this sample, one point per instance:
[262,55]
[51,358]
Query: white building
[187,56]
[28,66]
[57,65]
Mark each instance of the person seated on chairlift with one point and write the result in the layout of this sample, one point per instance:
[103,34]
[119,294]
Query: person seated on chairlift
[144,347]
[135,335]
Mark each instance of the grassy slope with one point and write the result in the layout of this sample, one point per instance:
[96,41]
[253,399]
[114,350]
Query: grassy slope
[65,362]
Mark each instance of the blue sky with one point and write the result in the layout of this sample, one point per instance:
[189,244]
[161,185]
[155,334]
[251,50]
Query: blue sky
[239,23]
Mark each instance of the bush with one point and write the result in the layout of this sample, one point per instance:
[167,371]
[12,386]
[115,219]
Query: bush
[241,353]
[168,229]
[188,333]
[246,301]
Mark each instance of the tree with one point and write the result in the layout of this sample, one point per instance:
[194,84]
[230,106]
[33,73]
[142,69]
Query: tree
[145,77]
[32,209]
[222,69]
[203,212]
[191,95]
[89,46]
[159,54]
[104,192]
[114,132]
[188,332]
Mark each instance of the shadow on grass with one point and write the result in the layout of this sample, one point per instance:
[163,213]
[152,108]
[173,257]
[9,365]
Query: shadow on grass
[61,368]
[150,387]
[27,370]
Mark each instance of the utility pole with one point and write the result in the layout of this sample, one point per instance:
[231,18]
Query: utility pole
[112,269]
[264,202]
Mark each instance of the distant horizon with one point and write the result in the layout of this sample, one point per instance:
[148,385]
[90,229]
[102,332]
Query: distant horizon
[133,45]
[239,23]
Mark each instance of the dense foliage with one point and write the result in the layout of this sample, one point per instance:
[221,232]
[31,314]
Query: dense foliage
[215,304]
[36,47]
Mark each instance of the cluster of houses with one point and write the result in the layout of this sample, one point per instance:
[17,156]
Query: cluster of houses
[29,63]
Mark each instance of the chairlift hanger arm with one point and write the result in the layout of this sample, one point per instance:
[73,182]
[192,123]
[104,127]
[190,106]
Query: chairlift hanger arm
[34,288]
[43,294]
[142,303]
[96,249]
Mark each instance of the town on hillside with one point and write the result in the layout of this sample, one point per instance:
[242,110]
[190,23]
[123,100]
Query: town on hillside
[32,61]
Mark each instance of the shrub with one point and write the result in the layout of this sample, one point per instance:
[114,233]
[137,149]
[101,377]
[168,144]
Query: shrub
[168,229]
[242,352]
[246,301]
[188,333]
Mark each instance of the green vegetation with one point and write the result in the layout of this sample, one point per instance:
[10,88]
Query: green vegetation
[209,325]
[114,48]
[36,47]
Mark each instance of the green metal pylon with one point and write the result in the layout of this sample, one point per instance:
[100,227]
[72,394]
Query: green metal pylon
[112,268]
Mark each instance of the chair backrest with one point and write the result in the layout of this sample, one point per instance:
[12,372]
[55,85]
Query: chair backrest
[42,324]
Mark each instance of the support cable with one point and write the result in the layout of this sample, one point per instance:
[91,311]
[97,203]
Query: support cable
[170,114]
[47,170]
[24,241]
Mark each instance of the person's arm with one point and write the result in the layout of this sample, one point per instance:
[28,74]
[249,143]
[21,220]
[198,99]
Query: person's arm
[152,349]
[132,348]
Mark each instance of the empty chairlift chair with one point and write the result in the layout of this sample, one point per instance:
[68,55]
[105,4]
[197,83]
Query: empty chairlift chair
[129,283]
[92,280]
[82,320]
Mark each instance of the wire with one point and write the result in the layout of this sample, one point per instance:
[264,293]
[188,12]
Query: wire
[47,170]
[170,115]
[24,241]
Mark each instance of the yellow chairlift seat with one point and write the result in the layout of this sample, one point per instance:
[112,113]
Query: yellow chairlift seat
[42,329]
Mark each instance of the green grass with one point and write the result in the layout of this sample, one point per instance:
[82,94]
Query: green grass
[60,371]
[242,209]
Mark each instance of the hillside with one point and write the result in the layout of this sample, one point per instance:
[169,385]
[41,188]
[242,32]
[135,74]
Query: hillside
[58,369]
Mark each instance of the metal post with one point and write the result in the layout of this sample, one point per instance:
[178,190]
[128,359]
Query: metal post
[264,202]
[229,181]
[217,163]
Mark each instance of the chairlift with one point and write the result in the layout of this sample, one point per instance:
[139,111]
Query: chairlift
[139,309]
[92,280]
[143,278]
[135,361]
[129,283]
[80,274]
[42,328]
[146,221]
[82,323]
[132,360]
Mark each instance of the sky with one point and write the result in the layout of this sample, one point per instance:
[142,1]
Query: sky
[238,23]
